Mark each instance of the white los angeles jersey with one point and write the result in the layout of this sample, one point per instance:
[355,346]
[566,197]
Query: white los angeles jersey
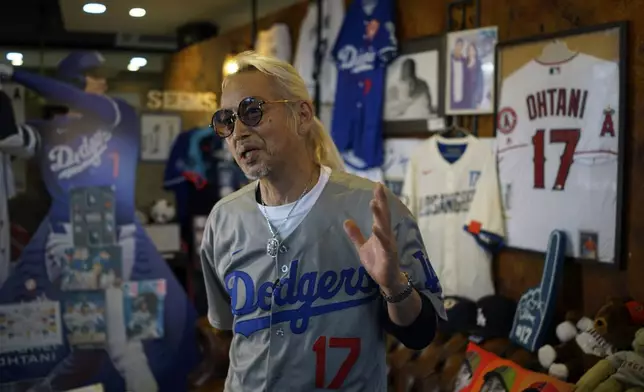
[557,149]
[15,141]
[332,18]
[458,208]
[275,42]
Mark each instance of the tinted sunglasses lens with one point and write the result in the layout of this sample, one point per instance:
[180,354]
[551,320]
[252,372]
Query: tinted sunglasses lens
[250,111]
[223,121]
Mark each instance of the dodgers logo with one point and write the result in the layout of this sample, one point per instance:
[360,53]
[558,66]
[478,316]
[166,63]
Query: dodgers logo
[431,279]
[312,286]
[67,162]
[352,60]
[355,283]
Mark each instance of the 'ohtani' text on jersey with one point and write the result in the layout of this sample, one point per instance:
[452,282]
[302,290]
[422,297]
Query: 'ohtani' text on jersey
[445,203]
[560,102]
[357,285]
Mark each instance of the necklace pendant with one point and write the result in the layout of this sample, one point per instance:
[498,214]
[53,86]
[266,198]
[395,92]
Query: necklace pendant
[272,247]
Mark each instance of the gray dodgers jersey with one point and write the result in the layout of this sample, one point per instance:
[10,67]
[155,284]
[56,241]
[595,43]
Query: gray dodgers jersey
[319,328]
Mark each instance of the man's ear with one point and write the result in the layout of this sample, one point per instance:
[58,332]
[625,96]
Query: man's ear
[306,115]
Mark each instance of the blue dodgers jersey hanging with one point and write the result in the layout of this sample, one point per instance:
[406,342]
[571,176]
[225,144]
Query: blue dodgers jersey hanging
[365,46]
[88,163]
[537,305]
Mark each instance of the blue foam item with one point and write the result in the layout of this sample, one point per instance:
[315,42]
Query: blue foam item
[537,305]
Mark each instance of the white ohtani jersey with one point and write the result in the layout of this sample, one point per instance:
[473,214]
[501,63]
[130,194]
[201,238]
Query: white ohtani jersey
[451,186]
[305,58]
[557,152]
[275,42]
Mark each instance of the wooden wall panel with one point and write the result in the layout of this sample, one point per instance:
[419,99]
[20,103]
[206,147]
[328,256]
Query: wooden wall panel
[197,68]
[586,287]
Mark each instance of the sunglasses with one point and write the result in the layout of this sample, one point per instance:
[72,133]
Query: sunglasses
[250,112]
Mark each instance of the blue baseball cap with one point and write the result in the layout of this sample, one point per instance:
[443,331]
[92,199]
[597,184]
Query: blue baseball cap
[81,63]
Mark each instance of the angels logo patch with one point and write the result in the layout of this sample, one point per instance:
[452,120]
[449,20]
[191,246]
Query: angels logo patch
[506,120]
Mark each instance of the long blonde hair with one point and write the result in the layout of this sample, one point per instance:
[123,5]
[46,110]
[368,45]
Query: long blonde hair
[292,87]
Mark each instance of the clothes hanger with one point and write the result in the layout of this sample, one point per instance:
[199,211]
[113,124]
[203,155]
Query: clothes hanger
[555,52]
[454,130]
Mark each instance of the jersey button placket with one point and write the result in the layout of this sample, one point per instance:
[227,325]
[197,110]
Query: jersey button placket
[279,331]
[450,242]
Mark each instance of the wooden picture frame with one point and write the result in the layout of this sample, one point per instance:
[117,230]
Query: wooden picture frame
[158,132]
[426,56]
[560,128]
[469,71]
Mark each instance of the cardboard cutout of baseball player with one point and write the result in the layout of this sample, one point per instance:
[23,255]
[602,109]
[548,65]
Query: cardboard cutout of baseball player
[94,150]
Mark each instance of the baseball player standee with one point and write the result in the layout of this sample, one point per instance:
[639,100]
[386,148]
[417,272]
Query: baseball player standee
[452,188]
[308,303]
[365,46]
[557,147]
[16,140]
[98,146]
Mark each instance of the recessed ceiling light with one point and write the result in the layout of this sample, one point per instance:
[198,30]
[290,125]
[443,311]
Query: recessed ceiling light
[138,61]
[132,67]
[137,12]
[94,8]
[14,56]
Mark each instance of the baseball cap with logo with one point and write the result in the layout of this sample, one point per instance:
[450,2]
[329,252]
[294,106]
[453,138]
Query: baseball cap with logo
[461,315]
[494,318]
[78,64]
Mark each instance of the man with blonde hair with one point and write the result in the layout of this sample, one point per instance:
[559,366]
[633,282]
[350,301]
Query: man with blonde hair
[308,304]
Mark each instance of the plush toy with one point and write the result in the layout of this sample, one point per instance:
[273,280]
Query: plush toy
[619,372]
[612,330]
[574,323]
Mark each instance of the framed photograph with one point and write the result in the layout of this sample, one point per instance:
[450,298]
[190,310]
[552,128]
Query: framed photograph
[469,67]
[158,131]
[415,88]
[560,112]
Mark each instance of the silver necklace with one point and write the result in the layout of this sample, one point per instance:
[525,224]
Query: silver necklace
[274,244]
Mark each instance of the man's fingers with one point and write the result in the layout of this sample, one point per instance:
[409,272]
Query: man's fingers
[379,215]
[383,237]
[354,233]
[380,208]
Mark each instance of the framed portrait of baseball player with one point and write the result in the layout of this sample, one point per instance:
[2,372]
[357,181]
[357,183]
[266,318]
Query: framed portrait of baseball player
[158,132]
[560,112]
[415,88]
[469,70]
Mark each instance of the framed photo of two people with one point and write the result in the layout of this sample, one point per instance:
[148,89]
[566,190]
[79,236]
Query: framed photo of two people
[469,67]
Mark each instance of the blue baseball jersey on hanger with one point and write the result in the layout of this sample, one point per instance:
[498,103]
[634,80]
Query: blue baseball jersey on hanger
[365,46]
